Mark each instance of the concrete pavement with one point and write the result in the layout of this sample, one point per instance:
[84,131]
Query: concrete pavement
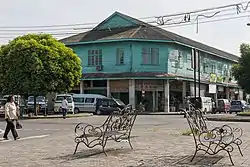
[157,142]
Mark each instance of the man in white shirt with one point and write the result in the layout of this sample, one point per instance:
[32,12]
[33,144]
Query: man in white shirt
[64,107]
[11,114]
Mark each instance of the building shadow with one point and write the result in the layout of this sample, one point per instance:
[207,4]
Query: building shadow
[90,153]
[179,161]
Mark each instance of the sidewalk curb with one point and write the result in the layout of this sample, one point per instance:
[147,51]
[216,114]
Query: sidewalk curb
[54,117]
[158,113]
[232,119]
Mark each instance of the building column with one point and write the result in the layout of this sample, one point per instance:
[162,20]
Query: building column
[157,101]
[108,88]
[154,99]
[227,93]
[241,94]
[132,92]
[81,87]
[184,90]
[166,96]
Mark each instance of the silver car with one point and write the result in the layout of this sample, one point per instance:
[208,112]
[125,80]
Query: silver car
[238,106]
[2,103]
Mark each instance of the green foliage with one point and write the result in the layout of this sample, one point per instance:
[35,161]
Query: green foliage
[245,113]
[38,64]
[241,71]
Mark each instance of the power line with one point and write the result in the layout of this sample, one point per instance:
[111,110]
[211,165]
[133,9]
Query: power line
[174,24]
[210,21]
[88,28]
[165,26]
[74,32]
[238,5]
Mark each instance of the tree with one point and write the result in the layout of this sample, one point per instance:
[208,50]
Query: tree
[38,64]
[241,71]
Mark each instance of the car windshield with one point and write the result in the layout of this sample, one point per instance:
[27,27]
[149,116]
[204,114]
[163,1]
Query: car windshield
[2,102]
[236,103]
[60,99]
[119,102]
[38,99]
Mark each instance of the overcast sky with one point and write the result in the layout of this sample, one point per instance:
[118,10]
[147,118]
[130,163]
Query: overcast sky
[225,35]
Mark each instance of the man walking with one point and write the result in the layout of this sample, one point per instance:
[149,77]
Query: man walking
[64,107]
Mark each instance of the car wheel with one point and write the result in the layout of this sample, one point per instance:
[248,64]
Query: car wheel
[98,112]
[76,110]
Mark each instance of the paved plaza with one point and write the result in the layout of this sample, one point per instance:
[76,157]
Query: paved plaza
[157,142]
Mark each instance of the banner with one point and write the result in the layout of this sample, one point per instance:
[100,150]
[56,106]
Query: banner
[213,78]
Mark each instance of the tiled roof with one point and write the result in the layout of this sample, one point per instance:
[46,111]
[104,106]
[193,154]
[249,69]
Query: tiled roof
[144,31]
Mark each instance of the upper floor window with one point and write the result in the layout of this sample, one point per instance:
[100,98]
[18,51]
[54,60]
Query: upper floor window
[205,65]
[94,57]
[178,61]
[220,68]
[120,56]
[213,67]
[190,64]
[150,56]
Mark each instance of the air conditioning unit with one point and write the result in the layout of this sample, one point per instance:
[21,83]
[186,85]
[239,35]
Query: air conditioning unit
[99,68]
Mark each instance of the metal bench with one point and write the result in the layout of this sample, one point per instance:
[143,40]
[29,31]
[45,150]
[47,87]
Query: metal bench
[212,141]
[117,127]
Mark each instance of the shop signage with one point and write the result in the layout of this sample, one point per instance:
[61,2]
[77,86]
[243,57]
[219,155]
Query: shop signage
[212,88]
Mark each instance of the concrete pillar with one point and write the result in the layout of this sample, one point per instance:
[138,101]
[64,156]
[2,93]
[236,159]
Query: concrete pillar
[166,96]
[81,87]
[241,94]
[108,88]
[132,92]
[216,97]
[154,99]
[184,90]
[227,92]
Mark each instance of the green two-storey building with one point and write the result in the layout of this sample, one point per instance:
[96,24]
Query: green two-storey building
[129,59]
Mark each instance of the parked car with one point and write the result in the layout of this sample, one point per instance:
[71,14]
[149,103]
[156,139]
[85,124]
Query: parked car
[238,106]
[108,105]
[40,100]
[86,102]
[2,103]
[16,97]
[58,101]
[206,103]
[223,105]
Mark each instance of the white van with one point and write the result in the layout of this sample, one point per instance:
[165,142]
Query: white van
[58,101]
[16,97]
[206,103]
[85,102]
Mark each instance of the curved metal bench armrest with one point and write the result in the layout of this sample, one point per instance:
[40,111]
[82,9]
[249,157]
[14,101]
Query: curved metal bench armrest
[85,128]
[210,136]
[232,130]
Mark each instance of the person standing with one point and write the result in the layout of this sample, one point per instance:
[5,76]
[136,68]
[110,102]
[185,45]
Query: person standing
[64,107]
[11,114]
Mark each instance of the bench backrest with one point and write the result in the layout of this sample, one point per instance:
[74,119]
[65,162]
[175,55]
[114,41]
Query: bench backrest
[121,120]
[196,120]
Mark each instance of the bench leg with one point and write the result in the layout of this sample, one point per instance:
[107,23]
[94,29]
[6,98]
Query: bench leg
[103,149]
[230,158]
[76,148]
[194,155]
[130,143]
[240,150]
[103,146]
